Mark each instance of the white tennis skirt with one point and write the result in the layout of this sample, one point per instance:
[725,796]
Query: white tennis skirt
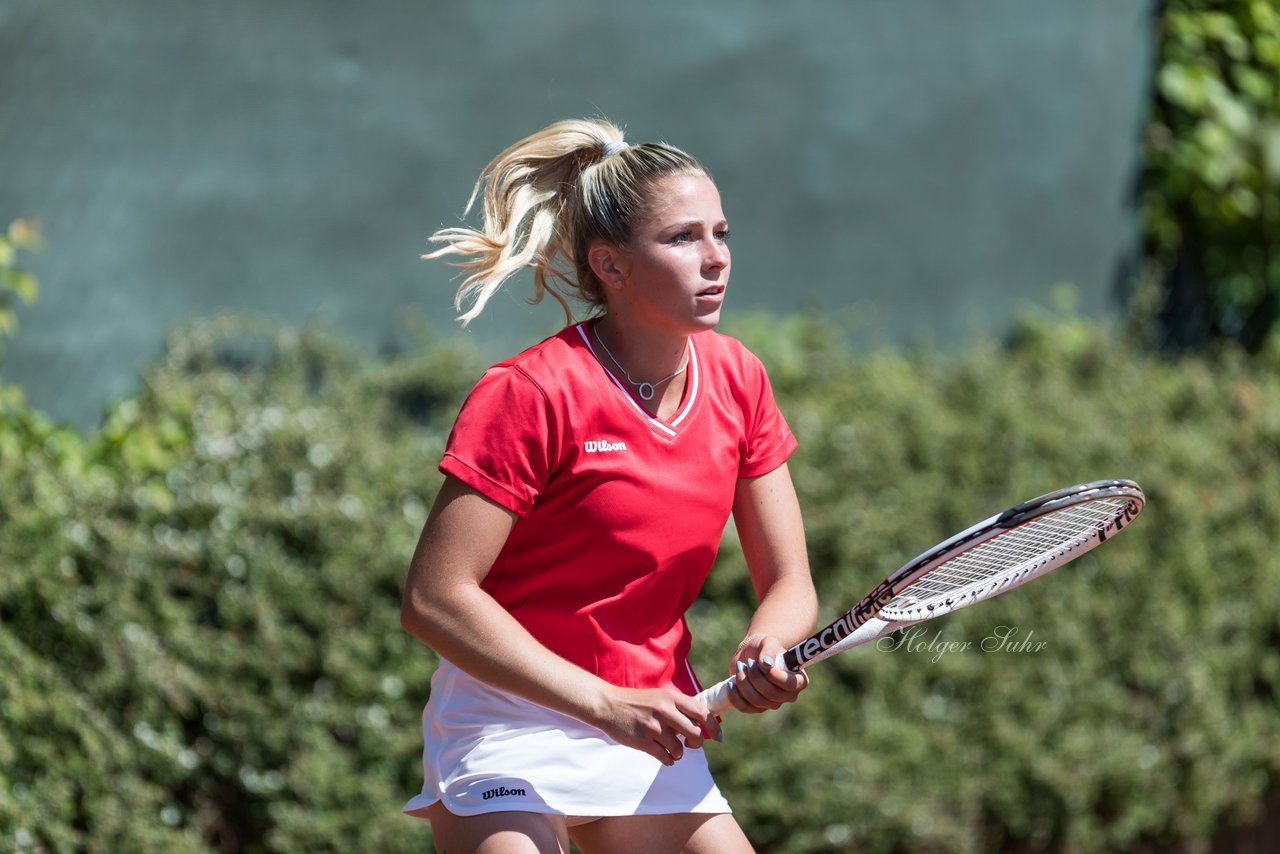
[485,751]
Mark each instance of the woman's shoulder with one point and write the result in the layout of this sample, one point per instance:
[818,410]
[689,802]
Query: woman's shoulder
[717,347]
[549,360]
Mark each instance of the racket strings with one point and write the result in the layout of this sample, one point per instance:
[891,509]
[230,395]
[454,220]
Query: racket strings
[1013,552]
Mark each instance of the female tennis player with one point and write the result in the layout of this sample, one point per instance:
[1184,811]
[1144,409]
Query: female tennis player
[587,483]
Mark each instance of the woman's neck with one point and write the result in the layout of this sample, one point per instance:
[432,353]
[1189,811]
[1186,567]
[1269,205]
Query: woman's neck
[643,355]
[660,383]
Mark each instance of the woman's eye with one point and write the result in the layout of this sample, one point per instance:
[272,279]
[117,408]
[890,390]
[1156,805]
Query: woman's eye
[722,235]
[682,237]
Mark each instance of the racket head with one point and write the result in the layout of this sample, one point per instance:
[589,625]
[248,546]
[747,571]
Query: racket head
[1099,510]
[1020,544]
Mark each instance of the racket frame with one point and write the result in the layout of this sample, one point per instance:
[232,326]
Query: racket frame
[862,623]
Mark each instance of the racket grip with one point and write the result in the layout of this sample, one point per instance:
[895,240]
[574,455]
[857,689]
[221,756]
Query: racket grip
[717,697]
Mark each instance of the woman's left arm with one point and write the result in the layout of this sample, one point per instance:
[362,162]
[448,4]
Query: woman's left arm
[767,515]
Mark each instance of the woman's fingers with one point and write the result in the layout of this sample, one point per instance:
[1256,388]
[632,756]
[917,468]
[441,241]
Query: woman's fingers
[753,691]
[671,746]
[661,722]
[765,685]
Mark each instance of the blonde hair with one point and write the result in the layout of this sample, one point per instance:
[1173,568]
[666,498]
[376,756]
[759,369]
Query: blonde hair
[546,199]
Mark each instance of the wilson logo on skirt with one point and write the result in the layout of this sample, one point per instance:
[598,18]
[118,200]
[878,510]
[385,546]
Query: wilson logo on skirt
[502,792]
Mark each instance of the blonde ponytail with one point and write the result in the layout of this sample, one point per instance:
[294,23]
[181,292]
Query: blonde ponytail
[546,198]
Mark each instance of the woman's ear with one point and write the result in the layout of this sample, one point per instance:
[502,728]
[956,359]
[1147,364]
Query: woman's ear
[608,263]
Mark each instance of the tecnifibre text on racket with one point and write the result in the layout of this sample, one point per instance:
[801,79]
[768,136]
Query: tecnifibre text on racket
[985,560]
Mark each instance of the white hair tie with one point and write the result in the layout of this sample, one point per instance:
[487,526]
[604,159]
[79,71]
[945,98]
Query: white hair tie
[612,148]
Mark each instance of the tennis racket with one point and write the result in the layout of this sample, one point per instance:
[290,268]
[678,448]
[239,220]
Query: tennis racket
[985,560]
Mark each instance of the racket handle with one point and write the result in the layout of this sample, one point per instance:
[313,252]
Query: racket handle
[717,697]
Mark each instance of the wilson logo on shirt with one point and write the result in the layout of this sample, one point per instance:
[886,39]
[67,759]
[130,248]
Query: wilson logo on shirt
[600,446]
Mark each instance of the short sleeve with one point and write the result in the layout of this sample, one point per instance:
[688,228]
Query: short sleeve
[500,443]
[769,441]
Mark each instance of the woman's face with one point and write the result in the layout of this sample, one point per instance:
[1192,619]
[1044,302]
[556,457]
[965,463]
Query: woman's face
[675,269]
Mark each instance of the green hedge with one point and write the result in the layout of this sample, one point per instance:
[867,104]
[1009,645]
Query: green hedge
[199,602]
[1150,715]
[1210,193]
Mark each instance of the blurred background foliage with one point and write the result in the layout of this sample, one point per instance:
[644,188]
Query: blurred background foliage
[199,604]
[1211,191]
[202,649]
[17,287]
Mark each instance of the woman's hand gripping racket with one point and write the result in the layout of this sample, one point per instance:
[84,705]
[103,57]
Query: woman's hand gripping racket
[990,558]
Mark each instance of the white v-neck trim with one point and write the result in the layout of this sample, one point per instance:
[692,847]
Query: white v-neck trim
[690,396]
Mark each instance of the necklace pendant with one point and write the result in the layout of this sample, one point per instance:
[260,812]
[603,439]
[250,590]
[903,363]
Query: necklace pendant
[645,391]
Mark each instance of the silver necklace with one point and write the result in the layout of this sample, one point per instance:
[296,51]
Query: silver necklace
[645,390]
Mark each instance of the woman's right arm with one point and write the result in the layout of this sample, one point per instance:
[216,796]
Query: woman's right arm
[445,607]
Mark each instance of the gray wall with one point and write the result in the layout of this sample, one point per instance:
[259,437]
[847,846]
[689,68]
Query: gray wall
[925,165]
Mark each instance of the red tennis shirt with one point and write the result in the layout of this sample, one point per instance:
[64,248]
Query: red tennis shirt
[620,513]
